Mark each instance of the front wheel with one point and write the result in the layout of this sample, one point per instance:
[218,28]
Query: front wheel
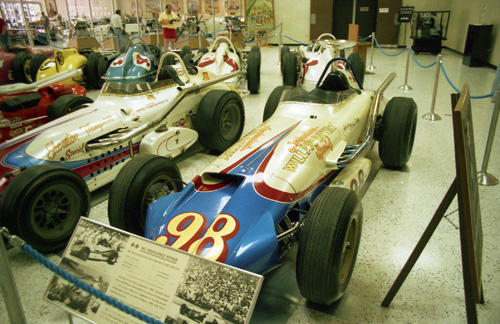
[273,101]
[220,119]
[141,181]
[43,205]
[328,245]
[398,128]
[358,65]
[290,75]
[66,104]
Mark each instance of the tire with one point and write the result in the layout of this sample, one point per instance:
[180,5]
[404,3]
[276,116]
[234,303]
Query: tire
[44,204]
[272,101]
[289,69]
[169,60]
[92,69]
[36,61]
[203,50]
[187,59]
[324,264]
[21,68]
[253,72]
[284,49]
[141,181]
[84,253]
[399,124]
[185,50]
[220,120]
[65,105]
[112,257]
[256,49]
[359,66]
[102,68]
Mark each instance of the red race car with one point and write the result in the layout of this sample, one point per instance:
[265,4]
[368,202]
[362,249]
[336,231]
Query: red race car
[17,63]
[26,106]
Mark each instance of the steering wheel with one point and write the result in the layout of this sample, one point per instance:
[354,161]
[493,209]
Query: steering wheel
[316,44]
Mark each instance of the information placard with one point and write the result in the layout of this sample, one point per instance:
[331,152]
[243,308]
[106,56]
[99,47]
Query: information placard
[157,280]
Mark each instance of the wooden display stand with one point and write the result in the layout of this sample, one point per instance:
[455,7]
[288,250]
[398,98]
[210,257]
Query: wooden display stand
[193,42]
[360,46]
[82,42]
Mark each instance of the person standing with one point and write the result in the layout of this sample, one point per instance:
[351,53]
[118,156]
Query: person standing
[45,23]
[167,20]
[116,24]
[4,34]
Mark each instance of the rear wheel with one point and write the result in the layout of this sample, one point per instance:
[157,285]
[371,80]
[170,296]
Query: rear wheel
[141,181]
[220,119]
[290,69]
[43,205]
[399,124]
[328,247]
[66,104]
[284,49]
[21,68]
[272,101]
[359,66]
[203,50]
[187,59]
[112,257]
[36,61]
[102,68]
[185,50]
[253,72]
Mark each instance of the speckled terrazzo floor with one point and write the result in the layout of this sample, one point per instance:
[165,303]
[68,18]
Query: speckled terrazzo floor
[397,207]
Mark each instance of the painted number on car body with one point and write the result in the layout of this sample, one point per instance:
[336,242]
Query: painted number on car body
[356,185]
[186,230]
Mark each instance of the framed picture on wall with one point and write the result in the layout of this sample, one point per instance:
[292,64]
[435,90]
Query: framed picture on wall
[133,9]
[193,7]
[232,7]
[51,8]
[176,6]
[209,4]
[259,15]
[153,6]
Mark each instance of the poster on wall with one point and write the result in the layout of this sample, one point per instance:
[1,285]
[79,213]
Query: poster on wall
[51,8]
[167,284]
[259,15]
[153,6]
[176,6]
[232,7]
[209,4]
[133,8]
[193,7]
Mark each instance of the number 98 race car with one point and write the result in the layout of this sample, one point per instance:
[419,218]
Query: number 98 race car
[293,178]
[145,107]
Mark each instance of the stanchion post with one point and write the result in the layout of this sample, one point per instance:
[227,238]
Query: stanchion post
[8,286]
[405,86]
[280,43]
[158,37]
[431,115]
[199,39]
[484,178]
[371,67]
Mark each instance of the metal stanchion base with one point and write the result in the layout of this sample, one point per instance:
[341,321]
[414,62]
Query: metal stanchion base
[405,87]
[486,179]
[370,68]
[431,116]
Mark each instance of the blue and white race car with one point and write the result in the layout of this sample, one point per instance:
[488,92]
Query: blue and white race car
[293,178]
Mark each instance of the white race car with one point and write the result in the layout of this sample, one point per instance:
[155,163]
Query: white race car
[223,58]
[145,107]
[305,66]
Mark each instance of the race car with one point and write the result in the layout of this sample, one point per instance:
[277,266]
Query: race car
[222,58]
[27,106]
[304,67]
[17,63]
[98,252]
[145,107]
[293,178]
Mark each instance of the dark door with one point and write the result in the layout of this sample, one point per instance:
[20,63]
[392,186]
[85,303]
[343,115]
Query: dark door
[321,17]
[342,17]
[387,23]
[366,16]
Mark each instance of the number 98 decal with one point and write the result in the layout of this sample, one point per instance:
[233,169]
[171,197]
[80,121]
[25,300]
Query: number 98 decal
[184,232]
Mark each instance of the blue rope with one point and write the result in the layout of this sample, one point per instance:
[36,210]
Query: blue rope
[367,37]
[422,66]
[375,38]
[179,42]
[294,40]
[86,287]
[456,89]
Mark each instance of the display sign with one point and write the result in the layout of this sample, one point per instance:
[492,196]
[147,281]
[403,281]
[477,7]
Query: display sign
[157,280]
[471,231]
[405,14]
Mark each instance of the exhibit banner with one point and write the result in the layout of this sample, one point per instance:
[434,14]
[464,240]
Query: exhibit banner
[157,280]
[259,15]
